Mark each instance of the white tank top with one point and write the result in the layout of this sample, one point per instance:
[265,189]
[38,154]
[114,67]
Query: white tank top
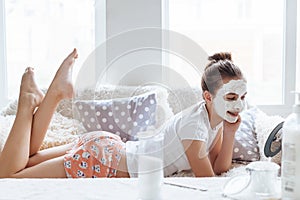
[190,124]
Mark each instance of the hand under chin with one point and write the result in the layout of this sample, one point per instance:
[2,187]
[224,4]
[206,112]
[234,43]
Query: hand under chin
[232,126]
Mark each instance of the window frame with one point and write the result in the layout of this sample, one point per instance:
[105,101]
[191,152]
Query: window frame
[289,61]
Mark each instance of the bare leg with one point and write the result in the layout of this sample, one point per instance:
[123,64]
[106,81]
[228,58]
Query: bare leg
[60,88]
[15,154]
[48,154]
[53,168]
[48,163]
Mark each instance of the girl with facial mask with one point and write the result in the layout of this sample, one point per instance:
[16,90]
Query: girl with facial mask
[199,138]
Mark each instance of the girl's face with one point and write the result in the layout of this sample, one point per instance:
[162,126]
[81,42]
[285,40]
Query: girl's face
[230,100]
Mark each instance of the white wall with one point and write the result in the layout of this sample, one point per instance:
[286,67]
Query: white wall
[140,65]
[116,59]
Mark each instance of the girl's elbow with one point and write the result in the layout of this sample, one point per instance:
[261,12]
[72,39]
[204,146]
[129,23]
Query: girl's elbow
[221,169]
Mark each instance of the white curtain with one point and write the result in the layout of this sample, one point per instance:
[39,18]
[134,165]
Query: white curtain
[3,82]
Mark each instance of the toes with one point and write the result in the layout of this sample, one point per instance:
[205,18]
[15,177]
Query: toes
[73,54]
[29,69]
[70,59]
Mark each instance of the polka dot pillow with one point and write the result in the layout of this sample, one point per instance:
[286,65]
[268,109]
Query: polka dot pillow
[245,144]
[122,116]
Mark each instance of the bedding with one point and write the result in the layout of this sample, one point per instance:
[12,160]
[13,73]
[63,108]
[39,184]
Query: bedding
[64,127]
[245,143]
[112,92]
[122,116]
[108,189]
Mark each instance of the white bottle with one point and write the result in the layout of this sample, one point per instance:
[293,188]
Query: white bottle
[290,168]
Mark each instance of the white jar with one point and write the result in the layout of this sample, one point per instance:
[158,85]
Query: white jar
[150,165]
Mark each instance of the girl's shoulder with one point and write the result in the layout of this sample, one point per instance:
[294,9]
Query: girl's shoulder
[193,123]
[198,108]
[194,114]
[188,120]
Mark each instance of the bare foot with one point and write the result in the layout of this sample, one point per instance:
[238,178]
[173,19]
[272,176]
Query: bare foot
[30,95]
[62,86]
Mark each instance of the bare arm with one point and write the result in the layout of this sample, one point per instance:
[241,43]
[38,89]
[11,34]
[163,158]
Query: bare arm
[196,153]
[223,150]
[216,147]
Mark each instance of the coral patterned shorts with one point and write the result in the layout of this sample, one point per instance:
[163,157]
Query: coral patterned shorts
[95,154]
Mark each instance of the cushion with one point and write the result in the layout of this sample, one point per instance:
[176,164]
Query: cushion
[182,98]
[245,143]
[106,92]
[122,116]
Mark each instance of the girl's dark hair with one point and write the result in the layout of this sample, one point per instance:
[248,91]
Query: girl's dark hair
[219,68]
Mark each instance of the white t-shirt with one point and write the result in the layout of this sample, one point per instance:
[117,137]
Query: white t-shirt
[190,124]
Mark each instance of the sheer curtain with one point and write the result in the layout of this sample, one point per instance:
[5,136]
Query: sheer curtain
[261,38]
[3,82]
[41,34]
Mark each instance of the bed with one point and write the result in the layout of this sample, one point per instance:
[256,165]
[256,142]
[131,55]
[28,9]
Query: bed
[104,189]
[67,125]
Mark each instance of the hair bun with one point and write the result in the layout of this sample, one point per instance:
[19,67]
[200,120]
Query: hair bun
[220,56]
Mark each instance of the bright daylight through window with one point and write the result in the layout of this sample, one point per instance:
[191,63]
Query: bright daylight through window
[298,51]
[41,33]
[245,28]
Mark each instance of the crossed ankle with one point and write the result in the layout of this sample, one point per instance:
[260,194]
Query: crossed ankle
[28,101]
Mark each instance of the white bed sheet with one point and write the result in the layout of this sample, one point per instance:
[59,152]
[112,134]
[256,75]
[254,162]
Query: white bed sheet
[116,188]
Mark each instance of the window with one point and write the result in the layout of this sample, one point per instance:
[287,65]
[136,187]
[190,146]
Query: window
[41,33]
[243,28]
[260,34]
[298,50]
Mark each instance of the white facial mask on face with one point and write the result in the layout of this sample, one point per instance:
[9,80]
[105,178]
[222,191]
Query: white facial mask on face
[222,106]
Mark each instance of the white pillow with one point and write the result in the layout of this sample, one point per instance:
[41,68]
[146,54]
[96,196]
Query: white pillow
[182,98]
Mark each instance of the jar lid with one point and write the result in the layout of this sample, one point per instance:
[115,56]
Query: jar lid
[236,185]
[262,166]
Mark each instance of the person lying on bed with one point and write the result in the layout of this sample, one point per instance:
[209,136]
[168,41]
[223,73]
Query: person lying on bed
[199,138]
